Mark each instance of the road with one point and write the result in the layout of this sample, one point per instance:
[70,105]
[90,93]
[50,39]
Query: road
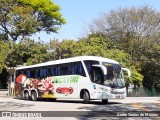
[96,110]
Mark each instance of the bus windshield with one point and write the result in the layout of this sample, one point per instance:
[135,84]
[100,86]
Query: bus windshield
[114,77]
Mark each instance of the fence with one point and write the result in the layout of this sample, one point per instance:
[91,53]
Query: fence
[143,92]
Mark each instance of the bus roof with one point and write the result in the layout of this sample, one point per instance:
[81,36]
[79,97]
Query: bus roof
[67,60]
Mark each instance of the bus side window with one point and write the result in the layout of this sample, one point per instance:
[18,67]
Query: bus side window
[32,73]
[73,69]
[81,69]
[49,72]
[28,73]
[77,69]
[21,71]
[64,69]
[36,73]
[17,73]
[88,64]
[58,70]
[53,71]
[69,72]
[43,72]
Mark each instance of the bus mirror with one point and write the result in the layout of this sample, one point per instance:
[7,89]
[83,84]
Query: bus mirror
[128,71]
[103,68]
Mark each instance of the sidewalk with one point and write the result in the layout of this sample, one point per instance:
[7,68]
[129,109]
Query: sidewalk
[3,92]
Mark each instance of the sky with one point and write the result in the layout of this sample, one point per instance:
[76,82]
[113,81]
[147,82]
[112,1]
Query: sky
[80,13]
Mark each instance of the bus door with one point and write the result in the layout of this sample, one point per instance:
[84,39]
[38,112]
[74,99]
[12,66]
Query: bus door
[98,77]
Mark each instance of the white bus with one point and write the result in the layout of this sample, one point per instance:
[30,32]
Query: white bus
[83,77]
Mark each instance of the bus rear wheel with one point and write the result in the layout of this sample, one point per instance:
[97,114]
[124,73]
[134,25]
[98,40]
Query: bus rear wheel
[34,96]
[26,95]
[86,98]
[105,101]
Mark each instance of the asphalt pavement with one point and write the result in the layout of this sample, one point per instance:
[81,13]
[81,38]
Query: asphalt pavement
[131,108]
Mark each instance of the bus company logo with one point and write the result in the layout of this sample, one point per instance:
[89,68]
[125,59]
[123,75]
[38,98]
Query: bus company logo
[6,114]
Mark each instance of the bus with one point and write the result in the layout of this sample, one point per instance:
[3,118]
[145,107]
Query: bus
[82,77]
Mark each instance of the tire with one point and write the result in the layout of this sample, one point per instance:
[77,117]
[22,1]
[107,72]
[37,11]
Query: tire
[26,96]
[86,98]
[34,96]
[52,99]
[105,101]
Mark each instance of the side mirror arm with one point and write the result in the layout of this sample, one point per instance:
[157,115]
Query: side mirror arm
[128,71]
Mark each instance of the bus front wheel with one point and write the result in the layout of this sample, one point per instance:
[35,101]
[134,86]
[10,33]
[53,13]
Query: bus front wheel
[86,98]
[34,96]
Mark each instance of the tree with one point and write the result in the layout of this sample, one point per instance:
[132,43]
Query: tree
[55,50]
[38,53]
[151,68]
[4,48]
[29,52]
[134,30]
[152,75]
[22,18]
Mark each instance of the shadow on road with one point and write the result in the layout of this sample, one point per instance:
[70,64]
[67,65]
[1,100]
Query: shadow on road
[81,102]
[94,102]
[13,106]
[110,111]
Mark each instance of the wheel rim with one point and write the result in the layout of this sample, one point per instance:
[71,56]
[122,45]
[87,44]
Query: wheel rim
[33,95]
[84,97]
[26,95]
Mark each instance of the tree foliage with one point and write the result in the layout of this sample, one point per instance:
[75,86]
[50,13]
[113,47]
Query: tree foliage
[4,48]
[29,52]
[22,18]
[152,74]
[134,30]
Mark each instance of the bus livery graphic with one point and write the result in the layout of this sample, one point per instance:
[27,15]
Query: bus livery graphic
[67,79]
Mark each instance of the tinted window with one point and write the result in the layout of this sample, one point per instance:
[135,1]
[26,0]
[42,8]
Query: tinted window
[74,68]
[49,72]
[36,74]
[97,75]
[64,69]
[18,72]
[28,73]
[43,72]
[32,73]
[52,71]
[88,64]
[77,69]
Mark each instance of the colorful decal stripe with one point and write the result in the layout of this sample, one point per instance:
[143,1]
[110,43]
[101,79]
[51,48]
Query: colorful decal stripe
[66,79]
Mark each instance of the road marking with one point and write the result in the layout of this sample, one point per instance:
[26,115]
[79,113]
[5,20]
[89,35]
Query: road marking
[140,107]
